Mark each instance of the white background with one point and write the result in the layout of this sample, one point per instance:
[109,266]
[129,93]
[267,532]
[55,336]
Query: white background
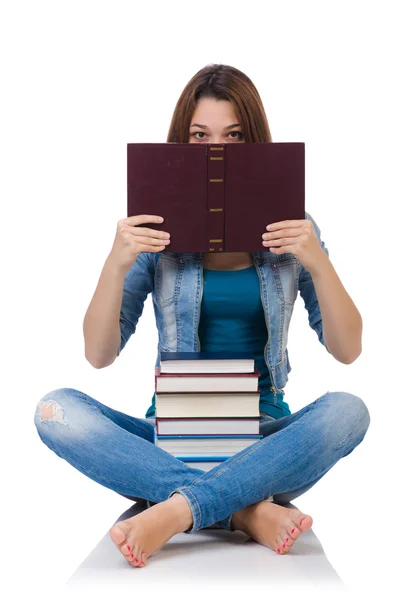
[79,81]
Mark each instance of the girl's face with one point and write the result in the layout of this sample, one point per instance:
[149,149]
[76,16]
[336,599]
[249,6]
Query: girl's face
[215,122]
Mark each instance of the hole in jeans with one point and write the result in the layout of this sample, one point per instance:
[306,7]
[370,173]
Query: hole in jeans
[51,411]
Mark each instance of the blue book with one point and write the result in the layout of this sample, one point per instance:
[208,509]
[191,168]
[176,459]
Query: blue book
[203,458]
[211,437]
[230,436]
[182,453]
[186,458]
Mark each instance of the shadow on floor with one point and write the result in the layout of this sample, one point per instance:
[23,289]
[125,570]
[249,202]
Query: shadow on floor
[218,555]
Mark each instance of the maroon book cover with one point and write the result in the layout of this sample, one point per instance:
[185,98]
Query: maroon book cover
[216,197]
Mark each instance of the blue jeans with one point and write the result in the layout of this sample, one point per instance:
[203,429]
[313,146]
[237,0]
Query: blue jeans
[117,451]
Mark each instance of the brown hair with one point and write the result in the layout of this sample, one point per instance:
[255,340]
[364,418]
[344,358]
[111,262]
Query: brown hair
[221,82]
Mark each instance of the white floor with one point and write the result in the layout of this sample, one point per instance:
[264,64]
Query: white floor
[215,556]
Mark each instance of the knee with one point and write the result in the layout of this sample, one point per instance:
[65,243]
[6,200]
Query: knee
[357,412]
[353,412]
[50,407]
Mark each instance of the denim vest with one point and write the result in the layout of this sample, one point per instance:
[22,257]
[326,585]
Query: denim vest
[175,281]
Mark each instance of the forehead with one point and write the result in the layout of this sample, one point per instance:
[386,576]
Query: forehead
[210,111]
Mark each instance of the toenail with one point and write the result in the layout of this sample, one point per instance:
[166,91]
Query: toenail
[278,549]
[302,521]
[283,545]
[132,555]
[293,531]
[287,539]
[129,549]
[136,560]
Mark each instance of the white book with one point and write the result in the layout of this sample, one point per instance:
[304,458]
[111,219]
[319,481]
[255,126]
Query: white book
[189,383]
[205,447]
[207,405]
[207,426]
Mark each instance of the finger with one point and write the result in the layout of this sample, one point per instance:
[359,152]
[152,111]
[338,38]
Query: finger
[134,219]
[149,232]
[279,242]
[274,234]
[282,224]
[283,249]
[138,239]
[145,231]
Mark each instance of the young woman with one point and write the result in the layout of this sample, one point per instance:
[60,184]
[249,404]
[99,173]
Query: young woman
[201,301]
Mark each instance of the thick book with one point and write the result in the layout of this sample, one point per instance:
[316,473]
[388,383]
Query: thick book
[188,446]
[206,362]
[216,197]
[208,426]
[206,382]
[231,404]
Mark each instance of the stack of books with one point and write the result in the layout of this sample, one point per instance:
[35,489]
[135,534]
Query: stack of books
[207,405]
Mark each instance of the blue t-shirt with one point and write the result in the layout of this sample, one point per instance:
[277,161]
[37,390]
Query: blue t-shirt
[232,318]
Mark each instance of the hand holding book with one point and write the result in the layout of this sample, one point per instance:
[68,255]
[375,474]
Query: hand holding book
[131,239]
[296,237]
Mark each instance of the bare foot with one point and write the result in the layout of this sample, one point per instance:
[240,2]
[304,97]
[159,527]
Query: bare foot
[142,535]
[271,525]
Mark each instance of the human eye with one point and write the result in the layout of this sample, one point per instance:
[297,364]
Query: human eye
[195,133]
[239,133]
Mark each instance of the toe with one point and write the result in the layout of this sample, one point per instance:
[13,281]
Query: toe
[133,554]
[300,521]
[293,531]
[305,522]
[137,558]
[283,546]
[286,541]
[125,549]
[279,546]
[143,560]
[117,535]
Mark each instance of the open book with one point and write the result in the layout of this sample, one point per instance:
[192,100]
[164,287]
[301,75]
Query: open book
[216,197]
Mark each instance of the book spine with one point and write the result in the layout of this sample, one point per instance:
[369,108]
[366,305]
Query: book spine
[230,436]
[216,197]
[207,458]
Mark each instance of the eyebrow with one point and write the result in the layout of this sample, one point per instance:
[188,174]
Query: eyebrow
[225,128]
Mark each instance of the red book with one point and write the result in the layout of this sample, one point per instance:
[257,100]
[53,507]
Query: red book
[216,197]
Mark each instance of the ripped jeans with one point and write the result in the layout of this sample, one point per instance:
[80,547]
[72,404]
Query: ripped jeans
[118,451]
